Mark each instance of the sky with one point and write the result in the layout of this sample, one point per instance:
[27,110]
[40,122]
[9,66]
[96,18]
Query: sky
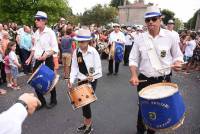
[183,9]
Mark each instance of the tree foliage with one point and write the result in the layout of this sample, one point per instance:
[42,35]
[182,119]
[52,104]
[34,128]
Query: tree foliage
[116,3]
[99,15]
[192,21]
[167,15]
[178,24]
[23,11]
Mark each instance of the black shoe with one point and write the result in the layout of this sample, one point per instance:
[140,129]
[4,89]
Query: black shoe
[88,129]
[51,105]
[138,132]
[115,73]
[81,128]
[109,73]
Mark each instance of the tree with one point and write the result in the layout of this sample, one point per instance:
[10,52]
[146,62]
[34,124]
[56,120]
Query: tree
[99,15]
[116,3]
[192,21]
[178,24]
[167,15]
[23,11]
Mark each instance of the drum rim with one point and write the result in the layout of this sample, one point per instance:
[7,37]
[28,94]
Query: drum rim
[34,73]
[156,85]
[173,127]
[53,84]
[73,106]
[84,104]
[74,89]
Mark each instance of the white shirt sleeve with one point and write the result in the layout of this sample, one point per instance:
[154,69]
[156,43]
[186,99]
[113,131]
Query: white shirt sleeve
[134,55]
[97,66]
[177,55]
[12,119]
[54,43]
[74,68]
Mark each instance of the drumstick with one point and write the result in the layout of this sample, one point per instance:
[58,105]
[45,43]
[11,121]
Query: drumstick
[85,79]
[142,81]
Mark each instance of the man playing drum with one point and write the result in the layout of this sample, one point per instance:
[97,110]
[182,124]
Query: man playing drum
[154,53]
[86,66]
[45,45]
[119,37]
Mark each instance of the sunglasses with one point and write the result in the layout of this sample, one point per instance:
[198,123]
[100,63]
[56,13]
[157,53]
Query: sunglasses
[154,19]
[38,19]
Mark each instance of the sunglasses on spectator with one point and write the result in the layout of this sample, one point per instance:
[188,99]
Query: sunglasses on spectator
[38,19]
[154,19]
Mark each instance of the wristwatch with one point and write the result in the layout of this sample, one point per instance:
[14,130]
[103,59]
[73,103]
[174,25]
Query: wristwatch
[23,103]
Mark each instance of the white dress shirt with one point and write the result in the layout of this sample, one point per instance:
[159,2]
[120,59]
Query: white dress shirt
[12,119]
[91,59]
[163,42]
[44,41]
[129,39]
[117,37]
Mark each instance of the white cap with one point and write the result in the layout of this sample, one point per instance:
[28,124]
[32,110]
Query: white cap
[170,22]
[129,28]
[152,11]
[41,14]
[116,25]
[83,35]
[62,19]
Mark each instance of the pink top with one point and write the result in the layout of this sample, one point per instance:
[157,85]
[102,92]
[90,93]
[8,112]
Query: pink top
[6,59]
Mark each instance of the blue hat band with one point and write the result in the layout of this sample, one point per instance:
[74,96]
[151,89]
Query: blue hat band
[41,17]
[84,37]
[152,14]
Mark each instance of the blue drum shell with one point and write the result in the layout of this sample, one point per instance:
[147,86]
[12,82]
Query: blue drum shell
[42,79]
[162,113]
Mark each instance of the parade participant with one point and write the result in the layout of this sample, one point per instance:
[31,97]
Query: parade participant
[45,45]
[128,45]
[66,47]
[115,37]
[170,27]
[168,53]
[86,65]
[11,120]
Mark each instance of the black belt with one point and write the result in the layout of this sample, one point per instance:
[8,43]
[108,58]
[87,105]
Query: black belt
[159,78]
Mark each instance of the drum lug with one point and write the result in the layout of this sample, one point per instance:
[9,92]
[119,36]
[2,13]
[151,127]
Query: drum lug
[79,99]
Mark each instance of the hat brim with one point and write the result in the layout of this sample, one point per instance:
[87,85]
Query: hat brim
[41,17]
[82,39]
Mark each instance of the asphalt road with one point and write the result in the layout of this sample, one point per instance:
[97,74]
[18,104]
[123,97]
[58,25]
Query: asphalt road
[115,111]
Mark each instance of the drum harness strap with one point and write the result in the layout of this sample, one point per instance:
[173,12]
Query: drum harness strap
[81,63]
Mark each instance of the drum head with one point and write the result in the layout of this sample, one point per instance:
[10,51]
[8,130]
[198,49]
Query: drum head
[158,91]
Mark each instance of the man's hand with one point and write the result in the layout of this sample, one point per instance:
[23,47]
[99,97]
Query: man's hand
[28,61]
[177,66]
[90,78]
[134,81]
[31,101]
[43,57]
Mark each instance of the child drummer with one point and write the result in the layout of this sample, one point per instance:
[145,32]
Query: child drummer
[86,67]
